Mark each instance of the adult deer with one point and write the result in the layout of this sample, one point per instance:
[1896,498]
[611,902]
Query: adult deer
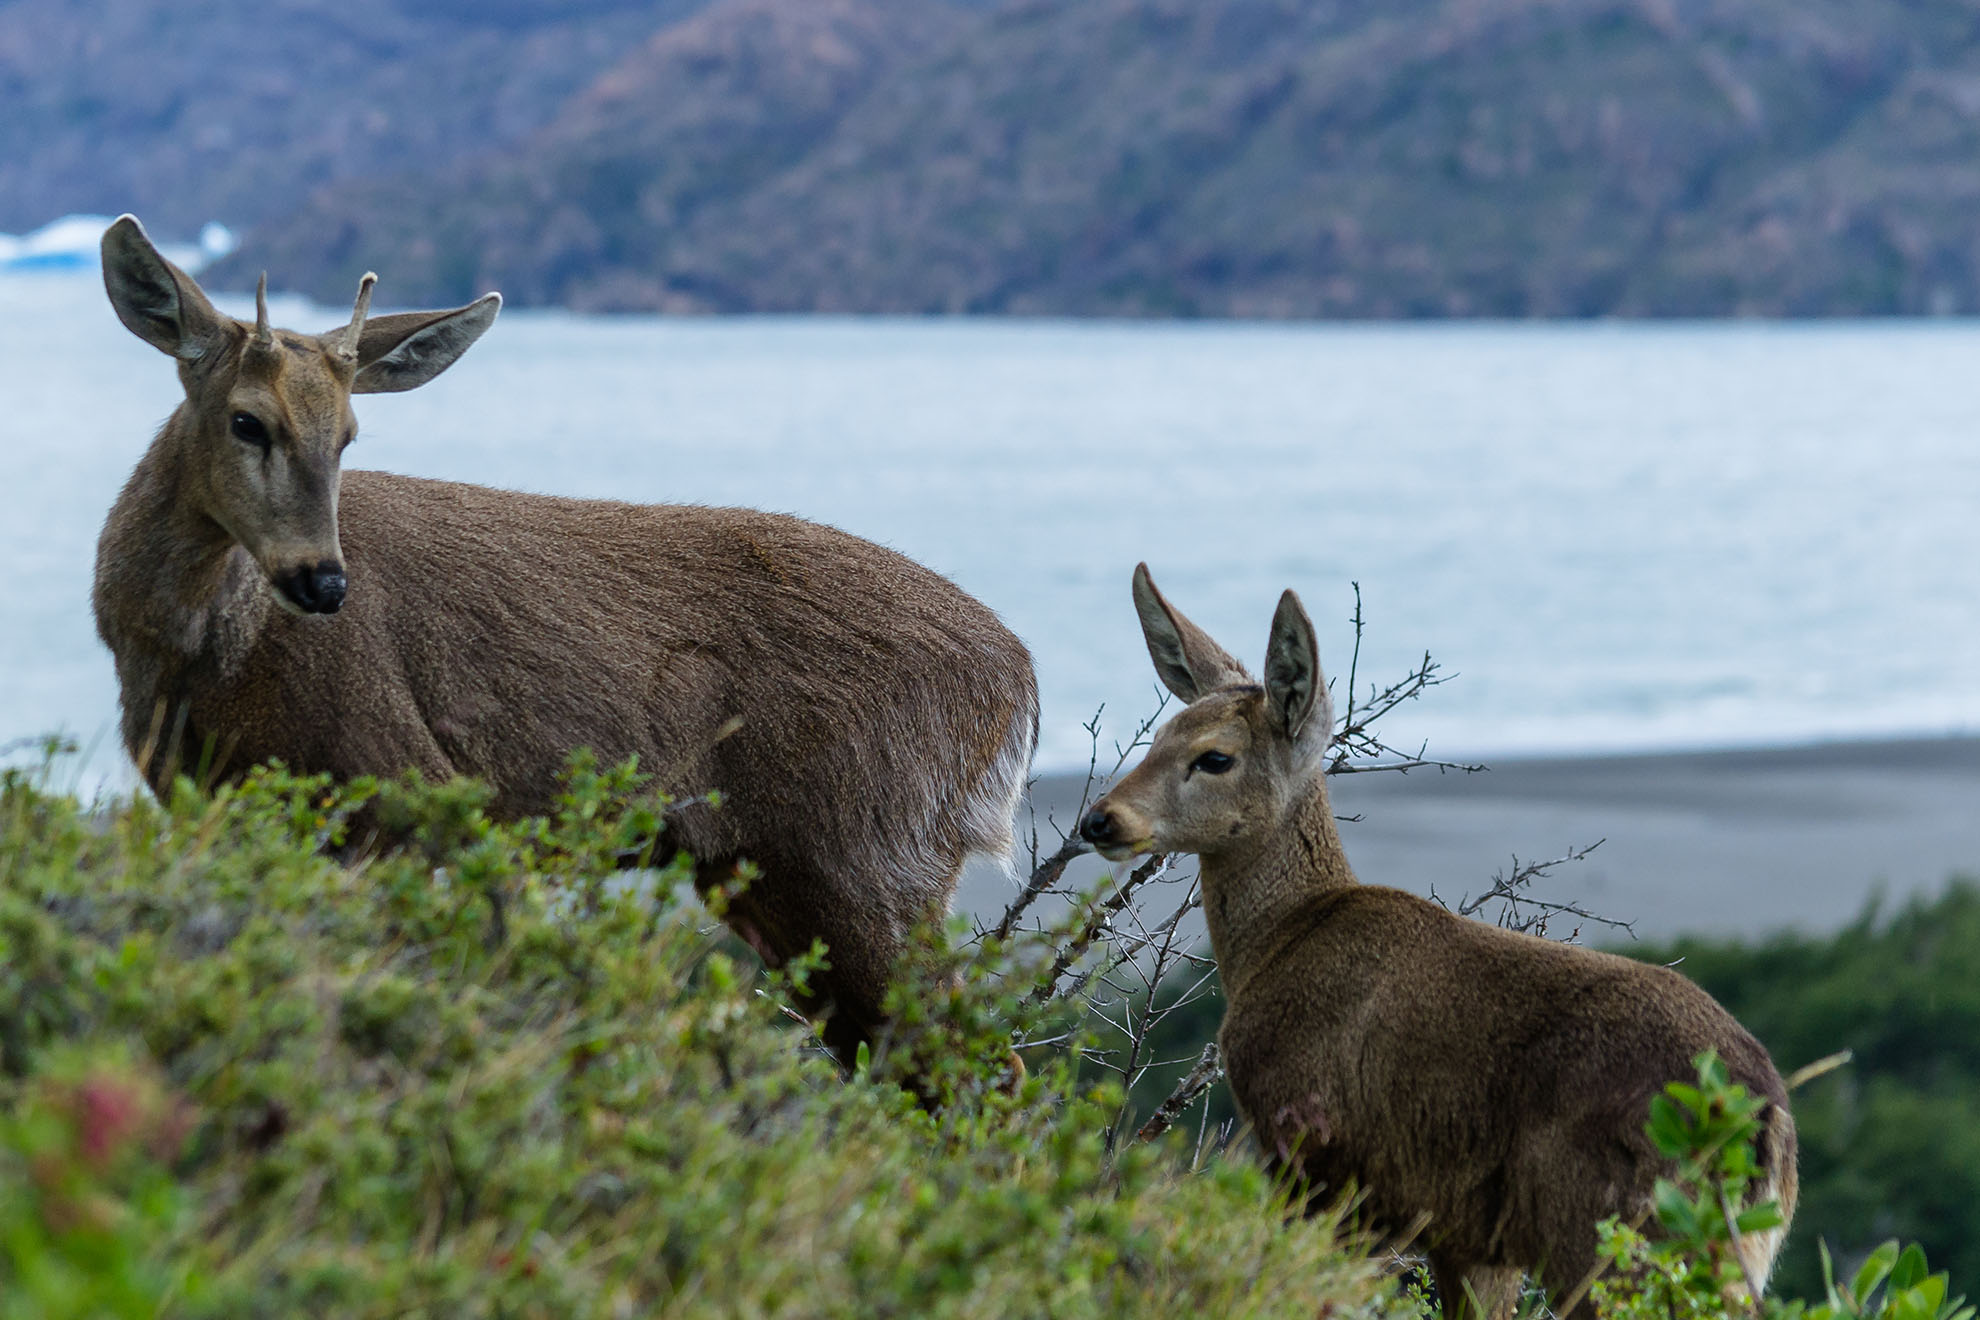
[869,723]
[1494,1082]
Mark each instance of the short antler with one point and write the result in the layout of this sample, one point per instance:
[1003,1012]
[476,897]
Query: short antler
[264,337]
[348,349]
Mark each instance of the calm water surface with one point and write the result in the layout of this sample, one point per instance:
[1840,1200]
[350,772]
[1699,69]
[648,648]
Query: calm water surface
[1619,536]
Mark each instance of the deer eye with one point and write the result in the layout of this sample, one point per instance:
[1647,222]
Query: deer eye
[247,429]
[1213,763]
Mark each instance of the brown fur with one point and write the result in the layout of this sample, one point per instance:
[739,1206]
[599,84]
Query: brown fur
[1497,1082]
[886,718]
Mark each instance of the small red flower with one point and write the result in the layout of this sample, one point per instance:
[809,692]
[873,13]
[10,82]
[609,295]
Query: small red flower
[108,1112]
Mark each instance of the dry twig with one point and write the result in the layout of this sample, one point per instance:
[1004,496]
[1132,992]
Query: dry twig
[1209,1068]
[1521,911]
[1358,748]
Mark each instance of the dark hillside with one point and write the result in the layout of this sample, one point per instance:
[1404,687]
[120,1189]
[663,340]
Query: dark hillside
[232,111]
[1196,157]
[597,207]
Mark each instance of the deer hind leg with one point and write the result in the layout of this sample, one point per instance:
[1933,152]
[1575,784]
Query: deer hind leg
[1571,1274]
[782,913]
[868,950]
[849,996]
[1476,1292]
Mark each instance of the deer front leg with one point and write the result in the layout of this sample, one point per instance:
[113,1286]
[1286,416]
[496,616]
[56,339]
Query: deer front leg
[1475,1292]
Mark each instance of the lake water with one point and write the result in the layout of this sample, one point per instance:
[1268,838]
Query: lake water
[1618,536]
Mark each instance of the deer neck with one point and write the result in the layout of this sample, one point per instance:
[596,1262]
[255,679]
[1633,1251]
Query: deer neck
[1254,897]
[173,589]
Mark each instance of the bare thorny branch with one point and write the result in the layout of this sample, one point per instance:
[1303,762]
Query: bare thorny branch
[1209,1068]
[1519,910]
[1127,948]
[1358,748]
[1147,961]
[1098,923]
[1045,874]
[1110,958]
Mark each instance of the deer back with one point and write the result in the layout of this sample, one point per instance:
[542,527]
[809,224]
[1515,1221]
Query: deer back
[1498,1081]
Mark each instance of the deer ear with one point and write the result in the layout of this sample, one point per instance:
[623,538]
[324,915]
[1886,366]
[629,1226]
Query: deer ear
[1186,660]
[1294,688]
[407,349]
[156,301]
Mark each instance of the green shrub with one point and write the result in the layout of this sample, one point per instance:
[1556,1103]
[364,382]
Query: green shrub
[1890,1145]
[491,1073]
[1690,1271]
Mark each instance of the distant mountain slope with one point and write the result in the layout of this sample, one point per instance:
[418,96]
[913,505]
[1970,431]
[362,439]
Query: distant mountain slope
[235,110]
[1205,157]
[600,205]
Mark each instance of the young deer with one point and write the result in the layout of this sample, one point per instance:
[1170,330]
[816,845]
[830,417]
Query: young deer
[869,724]
[1494,1082]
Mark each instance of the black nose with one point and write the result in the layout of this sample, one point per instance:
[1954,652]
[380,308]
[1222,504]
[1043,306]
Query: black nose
[1098,827]
[315,590]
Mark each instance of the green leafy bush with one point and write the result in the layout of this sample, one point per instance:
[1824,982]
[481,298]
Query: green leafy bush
[1890,1145]
[1694,1272]
[492,1073]
[1691,1270]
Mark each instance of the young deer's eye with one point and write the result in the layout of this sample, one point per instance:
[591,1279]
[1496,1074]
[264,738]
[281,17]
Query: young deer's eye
[1213,763]
[247,429]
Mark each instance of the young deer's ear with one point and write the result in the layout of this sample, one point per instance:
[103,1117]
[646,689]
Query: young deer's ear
[157,301]
[407,349]
[1294,688]
[1186,660]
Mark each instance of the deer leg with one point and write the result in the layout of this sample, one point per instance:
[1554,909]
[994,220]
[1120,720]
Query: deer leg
[1568,1273]
[752,934]
[781,915]
[853,990]
[1475,1292]
[1496,1290]
[1449,1278]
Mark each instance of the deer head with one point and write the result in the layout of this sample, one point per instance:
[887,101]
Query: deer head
[268,413]
[1238,756]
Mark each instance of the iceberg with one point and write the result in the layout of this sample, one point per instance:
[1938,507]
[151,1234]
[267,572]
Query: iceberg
[71,244]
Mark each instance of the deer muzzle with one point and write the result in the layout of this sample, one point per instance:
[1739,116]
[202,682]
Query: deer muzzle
[1111,837]
[313,588]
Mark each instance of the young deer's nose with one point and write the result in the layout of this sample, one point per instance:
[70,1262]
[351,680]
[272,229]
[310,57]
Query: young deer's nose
[317,589]
[1098,828]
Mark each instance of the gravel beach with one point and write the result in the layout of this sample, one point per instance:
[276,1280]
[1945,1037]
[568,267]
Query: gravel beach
[1735,843]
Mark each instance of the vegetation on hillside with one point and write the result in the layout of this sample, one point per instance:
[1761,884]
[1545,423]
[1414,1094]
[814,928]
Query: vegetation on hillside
[1213,158]
[493,1073]
[232,111]
[489,1074]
